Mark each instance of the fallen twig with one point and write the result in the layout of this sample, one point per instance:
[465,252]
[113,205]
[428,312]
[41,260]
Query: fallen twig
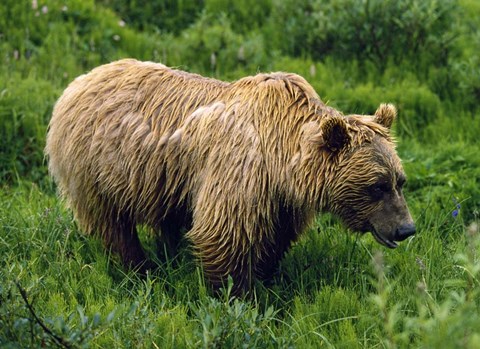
[57,339]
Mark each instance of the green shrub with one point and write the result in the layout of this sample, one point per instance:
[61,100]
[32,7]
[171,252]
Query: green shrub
[233,323]
[244,15]
[211,46]
[467,75]
[171,16]
[25,108]
[380,31]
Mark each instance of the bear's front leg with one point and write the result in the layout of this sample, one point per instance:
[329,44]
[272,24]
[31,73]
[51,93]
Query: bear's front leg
[231,213]
[222,256]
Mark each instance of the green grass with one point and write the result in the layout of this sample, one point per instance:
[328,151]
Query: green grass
[334,289]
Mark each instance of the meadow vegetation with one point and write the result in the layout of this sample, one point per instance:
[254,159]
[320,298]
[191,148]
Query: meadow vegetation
[334,289]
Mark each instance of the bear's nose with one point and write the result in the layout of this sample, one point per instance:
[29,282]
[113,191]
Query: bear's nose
[405,231]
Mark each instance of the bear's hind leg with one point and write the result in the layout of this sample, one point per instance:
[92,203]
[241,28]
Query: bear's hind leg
[168,241]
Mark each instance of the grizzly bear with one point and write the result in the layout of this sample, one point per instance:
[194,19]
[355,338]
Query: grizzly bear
[242,167]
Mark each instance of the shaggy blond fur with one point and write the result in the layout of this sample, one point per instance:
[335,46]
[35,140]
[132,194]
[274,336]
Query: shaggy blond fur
[243,165]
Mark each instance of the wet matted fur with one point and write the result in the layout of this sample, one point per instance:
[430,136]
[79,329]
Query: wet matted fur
[244,166]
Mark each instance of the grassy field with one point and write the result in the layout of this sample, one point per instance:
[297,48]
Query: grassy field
[334,289]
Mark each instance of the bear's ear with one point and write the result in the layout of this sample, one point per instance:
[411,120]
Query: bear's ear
[385,115]
[334,133]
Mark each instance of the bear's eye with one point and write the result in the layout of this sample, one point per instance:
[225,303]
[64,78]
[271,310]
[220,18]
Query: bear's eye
[378,189]
[401,182]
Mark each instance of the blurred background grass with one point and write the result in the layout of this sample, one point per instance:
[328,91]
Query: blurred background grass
[333,289]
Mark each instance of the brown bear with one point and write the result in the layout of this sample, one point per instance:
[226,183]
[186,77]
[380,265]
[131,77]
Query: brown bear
[243,166]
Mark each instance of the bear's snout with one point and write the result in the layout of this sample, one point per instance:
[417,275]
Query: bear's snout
[405,231]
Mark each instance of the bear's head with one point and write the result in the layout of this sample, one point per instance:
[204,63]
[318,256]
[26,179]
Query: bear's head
[364,182]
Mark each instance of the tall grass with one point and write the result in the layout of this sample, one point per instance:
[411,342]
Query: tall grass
[333,288]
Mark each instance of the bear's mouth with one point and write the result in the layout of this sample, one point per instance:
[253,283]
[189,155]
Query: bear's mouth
[385,242]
